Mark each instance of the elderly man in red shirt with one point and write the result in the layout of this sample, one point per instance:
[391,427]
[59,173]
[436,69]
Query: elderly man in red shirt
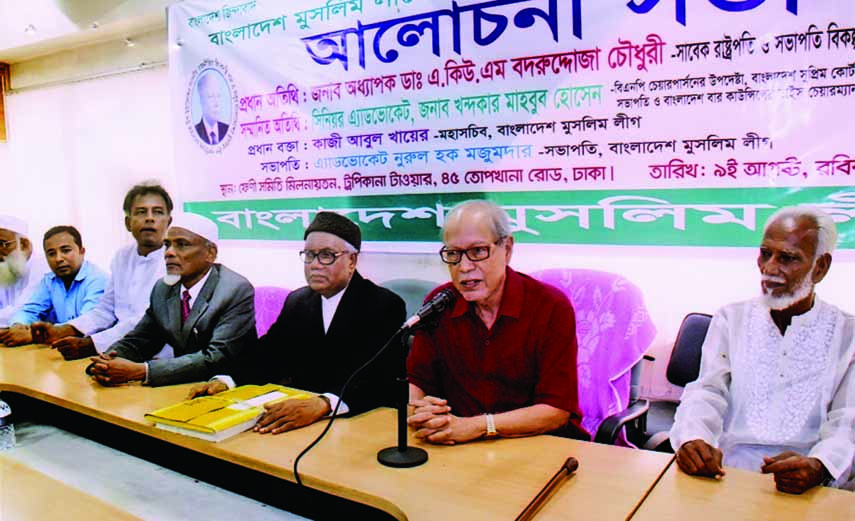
[502,359]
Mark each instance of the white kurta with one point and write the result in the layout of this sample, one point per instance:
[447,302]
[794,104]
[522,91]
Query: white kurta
[18,294]
[760,393]
[132,277]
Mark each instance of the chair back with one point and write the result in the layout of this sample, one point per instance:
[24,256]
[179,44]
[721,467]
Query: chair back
[613,330]
[413,291]
[685,362]
[268,304]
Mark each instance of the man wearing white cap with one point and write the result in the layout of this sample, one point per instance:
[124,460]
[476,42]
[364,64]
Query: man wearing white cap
[133,272]
[208,318]
[20,271]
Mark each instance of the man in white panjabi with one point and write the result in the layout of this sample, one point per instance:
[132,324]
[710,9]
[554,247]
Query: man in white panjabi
[20,270]
[133,272]
[776,391]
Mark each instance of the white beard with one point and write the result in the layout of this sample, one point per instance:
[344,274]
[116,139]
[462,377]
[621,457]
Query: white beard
[802,291]
[13,268]
[171,279]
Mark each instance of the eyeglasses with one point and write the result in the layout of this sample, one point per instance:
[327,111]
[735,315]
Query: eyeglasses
[325,257]
[474,254]
[5,245]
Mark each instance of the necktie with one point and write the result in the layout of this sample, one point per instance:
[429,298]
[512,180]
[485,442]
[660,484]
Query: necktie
[185,306]
[213,138]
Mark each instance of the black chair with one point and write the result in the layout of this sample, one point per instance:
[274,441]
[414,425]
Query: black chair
[685,362]
[683,368]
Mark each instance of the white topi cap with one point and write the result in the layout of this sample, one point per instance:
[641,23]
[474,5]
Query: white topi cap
[196,224]
[13,224]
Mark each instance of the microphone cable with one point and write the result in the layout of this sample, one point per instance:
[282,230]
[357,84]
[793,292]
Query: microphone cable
[341,399]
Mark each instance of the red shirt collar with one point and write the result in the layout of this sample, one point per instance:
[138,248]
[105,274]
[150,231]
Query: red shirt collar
[512,297]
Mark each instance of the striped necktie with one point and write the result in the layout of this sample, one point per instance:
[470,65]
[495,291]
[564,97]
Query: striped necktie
[185,306]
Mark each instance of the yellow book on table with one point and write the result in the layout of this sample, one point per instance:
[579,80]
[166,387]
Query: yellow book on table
[221,416]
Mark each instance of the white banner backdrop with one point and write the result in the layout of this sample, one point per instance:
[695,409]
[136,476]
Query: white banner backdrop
[641,122]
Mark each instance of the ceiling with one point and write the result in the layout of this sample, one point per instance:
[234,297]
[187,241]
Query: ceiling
[57,25]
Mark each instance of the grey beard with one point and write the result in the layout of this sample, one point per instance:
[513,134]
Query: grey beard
[803,290]
[13,268]
[171,279]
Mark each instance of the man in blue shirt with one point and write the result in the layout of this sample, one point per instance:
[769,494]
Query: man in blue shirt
[133,272]
[74,287]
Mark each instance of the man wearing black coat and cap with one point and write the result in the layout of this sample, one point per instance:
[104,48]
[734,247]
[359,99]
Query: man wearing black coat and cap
[325,332]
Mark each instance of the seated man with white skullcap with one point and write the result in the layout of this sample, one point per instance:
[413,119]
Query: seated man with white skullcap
[208,318]
[20,270]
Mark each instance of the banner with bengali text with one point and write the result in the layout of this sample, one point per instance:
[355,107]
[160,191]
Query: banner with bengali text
[640,122]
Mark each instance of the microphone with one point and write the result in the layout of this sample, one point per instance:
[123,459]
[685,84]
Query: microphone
[402,455]
[434,306]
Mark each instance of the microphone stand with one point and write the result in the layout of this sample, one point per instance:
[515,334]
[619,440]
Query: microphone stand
[402,456]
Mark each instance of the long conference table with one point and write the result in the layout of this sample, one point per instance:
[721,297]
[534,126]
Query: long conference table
[491,479]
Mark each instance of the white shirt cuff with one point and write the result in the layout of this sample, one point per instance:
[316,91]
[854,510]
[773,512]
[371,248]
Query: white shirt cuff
[224,378]
[342,409]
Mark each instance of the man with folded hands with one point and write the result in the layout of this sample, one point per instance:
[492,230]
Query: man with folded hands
[73,287]
[133,272]
[204,310]
[502,359]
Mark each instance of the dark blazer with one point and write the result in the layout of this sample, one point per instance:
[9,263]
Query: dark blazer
[222,130]
[296,352]
[220,325]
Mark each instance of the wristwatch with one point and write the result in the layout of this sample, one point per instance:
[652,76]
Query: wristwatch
[491,426]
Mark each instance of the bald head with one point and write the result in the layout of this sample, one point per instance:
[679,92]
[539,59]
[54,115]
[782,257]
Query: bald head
[209,98]
[808,218]
[485,213]
[477,249]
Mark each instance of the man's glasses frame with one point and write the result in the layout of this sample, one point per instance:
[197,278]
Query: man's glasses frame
[475,254]
[325,257]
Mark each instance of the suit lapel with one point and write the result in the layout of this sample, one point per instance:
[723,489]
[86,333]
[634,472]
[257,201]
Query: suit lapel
[316,315]
[200,305]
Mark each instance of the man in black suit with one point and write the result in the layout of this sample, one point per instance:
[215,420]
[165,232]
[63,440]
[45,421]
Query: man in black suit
[326,331]
[210,129]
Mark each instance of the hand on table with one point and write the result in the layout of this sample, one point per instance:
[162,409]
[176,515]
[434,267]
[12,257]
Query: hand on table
[109,369]
[207,389]
[16,335]
[46,333]
[433,422]
[793,472]
[699,458]
[73,348]
[291,414]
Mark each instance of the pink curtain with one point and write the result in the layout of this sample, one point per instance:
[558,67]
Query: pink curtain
[268,304]
[613,331]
